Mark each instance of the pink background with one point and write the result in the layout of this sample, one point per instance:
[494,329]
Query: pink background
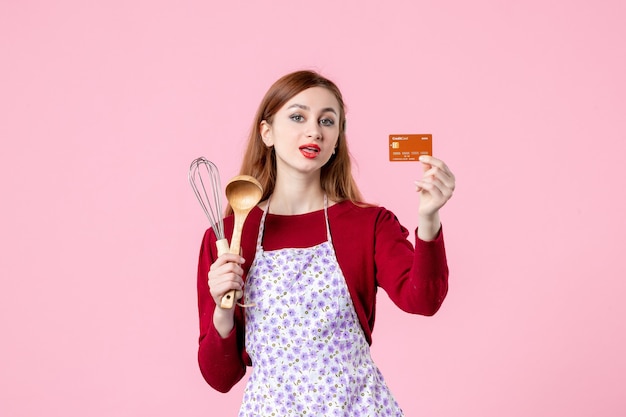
[103,105]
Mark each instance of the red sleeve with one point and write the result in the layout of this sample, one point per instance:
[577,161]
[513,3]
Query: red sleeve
[416,279]
[220,359]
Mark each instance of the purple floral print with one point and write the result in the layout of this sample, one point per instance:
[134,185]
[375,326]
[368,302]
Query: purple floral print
[309,353]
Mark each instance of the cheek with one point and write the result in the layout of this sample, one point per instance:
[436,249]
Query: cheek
[285,131]
[334,137]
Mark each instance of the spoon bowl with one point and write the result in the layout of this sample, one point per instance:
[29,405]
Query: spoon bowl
[243,192]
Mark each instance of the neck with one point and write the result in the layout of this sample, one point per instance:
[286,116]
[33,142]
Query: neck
[297,196]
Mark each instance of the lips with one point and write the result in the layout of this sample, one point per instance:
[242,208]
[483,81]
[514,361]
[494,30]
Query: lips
[310,150]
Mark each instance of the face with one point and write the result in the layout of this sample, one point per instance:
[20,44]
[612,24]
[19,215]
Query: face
[304,131]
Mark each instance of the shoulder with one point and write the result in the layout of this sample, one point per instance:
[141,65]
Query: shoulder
[362,217]
[359,211]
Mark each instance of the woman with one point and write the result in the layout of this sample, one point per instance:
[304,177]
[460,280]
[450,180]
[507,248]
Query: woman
[313,255]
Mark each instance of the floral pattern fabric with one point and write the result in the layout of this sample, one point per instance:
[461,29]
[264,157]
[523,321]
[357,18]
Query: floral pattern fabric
[309,353]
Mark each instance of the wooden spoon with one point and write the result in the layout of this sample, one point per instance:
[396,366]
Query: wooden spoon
[243,193]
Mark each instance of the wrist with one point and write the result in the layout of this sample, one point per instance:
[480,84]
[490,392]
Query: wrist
[429,225]
[223,320]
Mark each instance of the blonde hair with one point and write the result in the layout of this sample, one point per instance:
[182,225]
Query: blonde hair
[259,160]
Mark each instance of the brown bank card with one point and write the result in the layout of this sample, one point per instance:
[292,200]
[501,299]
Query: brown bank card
[410,147]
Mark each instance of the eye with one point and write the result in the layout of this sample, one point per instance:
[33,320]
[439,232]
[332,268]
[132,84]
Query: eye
[297,117]
[327,122]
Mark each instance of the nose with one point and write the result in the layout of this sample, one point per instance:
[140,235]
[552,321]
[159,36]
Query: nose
[314,130]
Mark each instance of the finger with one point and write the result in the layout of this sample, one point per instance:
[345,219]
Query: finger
[431,161]
[442,175]
[218,291]
[429,187]
[438,168]
[225,272]
[226,259]
[432,166]
[435,187]
[225,281]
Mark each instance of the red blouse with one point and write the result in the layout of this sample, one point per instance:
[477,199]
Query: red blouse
[372,250]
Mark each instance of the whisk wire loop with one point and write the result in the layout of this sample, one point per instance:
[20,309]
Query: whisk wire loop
[204,178]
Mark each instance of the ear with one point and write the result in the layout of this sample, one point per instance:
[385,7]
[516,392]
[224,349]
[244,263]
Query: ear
[266,130]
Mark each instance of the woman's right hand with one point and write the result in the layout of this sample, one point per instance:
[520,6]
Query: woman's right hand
[225,274]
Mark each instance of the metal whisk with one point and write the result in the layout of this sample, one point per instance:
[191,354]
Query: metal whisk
[203,172]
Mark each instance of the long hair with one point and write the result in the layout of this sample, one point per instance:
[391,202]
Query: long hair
[259,161]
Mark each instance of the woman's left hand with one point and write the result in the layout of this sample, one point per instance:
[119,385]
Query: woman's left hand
[435,187]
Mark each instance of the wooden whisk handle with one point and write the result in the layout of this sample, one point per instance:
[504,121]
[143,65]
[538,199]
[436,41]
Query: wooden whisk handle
[222,247]
[228,299]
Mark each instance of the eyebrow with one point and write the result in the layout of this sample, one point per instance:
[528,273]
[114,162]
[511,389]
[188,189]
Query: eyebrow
[307,108]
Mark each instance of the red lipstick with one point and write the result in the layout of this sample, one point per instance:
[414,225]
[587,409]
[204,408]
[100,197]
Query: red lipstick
[310,150]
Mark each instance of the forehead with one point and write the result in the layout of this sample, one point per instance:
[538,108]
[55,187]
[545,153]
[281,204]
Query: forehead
[315,98]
